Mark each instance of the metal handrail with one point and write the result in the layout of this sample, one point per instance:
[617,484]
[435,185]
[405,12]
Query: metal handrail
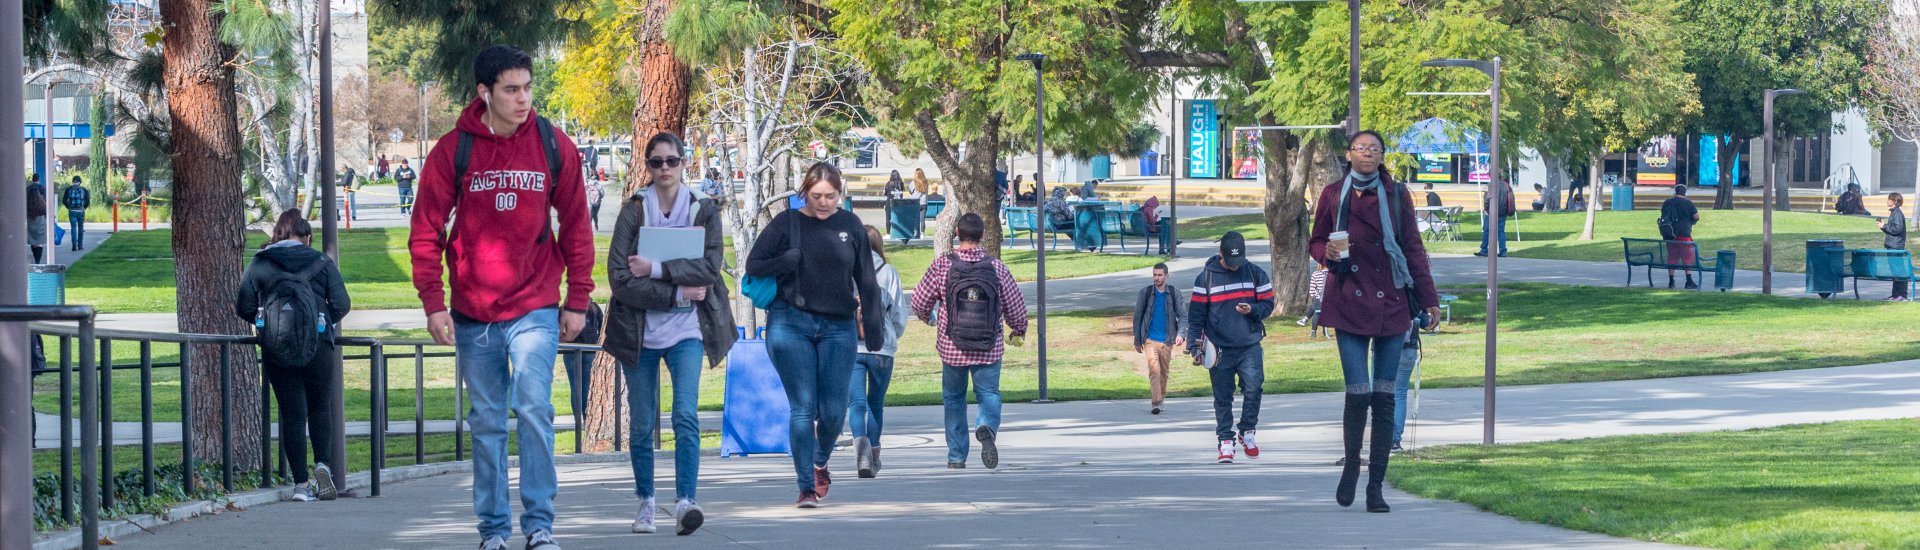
[96,421]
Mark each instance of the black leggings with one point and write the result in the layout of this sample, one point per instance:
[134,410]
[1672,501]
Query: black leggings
[305,409]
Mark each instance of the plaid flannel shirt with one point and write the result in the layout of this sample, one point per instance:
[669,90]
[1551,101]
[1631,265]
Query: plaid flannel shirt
[931,292]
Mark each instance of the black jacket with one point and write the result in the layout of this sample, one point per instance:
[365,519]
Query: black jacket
[1216,292]
[1143,306]
[634,294]
[270,263]
[1896,230]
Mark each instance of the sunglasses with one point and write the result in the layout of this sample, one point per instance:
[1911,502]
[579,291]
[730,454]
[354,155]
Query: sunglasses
[666,162]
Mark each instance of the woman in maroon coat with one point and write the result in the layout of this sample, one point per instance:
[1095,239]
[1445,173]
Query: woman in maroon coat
[1378,276]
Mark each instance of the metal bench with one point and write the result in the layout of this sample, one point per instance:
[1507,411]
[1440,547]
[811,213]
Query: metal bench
[1879,265]
[1677,255]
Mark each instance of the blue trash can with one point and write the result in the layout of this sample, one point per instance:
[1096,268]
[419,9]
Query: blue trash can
[1724,264]
[1826,266]
[1623,197]
[1101,166]
[46,285]
[903,219]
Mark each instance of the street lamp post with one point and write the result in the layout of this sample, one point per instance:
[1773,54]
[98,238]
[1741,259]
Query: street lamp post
[1496,203]
[330,231]
[1766,200]
[16,420]
[1040,169]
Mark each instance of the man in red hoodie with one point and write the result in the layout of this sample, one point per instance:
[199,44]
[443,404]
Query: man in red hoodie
[496,176]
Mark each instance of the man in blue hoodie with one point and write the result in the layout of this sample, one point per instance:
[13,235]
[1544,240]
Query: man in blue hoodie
[1230,299]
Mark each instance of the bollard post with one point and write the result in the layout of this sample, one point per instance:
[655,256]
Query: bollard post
[143,212]
[116,214]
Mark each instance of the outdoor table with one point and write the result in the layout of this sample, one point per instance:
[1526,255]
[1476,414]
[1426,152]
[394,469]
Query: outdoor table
[1088,218]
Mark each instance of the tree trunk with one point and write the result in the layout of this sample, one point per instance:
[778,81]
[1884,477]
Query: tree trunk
[661,106]
[970,189]
[209,223]
[1723,195]
[1556,180]
[1782,171]
[1293,179]
[1593,194]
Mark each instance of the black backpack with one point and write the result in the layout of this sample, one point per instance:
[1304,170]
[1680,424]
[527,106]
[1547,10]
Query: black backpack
[463,153]
[292,322]
[973,304]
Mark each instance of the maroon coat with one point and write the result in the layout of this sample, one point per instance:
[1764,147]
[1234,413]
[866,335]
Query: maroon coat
[1360,297]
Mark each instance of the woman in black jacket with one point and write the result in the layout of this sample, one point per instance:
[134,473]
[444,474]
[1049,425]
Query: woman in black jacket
[671,310]
[301,390]
[1895,226]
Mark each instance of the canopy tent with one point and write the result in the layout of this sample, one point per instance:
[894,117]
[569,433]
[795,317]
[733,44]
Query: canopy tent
[1440,136]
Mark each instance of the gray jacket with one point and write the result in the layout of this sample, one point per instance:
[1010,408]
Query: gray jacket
[1896,230]
[895,305]
[634,294]
[1143,306]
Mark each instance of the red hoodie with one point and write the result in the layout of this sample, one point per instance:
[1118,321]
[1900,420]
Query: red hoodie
[504,258]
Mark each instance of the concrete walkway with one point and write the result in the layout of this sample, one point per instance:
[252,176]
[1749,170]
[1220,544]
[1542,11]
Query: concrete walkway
[1099,474]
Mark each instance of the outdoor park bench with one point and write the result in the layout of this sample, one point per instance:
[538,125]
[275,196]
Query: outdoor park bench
[1678,255]
[1136,226]
[1879,265]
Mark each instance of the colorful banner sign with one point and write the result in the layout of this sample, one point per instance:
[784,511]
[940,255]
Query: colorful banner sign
[1203,140]
[1709,173]
[1480,173]
[1658,160]
[1435,168]
[1246,152]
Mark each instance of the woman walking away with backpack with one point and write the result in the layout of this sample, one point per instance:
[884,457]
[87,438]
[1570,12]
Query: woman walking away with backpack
[811,317]
[873,371]
[672,310]
[294,297]
[1365,233]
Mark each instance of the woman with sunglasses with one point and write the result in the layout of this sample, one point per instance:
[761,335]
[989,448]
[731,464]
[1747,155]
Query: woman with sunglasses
[672,310]
[1365,234]
[810,325]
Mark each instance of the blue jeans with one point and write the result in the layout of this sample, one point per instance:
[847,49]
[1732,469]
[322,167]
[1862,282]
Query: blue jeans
[867,396]
[1385,362]
[1245,364]
[643,400]
[406,199]
[1501,230]
[953,393]
[509,365]
[77,219]
[814,357]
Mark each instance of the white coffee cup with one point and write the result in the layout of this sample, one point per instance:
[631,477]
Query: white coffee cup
[1339,239]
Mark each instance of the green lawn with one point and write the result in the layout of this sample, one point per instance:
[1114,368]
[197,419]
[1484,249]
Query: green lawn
[912,261]
[1837,485]
[1550,334]
[132,272]
[1209,229]
[1556,235]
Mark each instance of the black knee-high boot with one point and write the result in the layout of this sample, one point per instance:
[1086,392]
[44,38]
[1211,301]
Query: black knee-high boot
[1353,425]
[1382,448]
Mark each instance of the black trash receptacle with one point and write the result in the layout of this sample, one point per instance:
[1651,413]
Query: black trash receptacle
[1826,264]
[1724,264]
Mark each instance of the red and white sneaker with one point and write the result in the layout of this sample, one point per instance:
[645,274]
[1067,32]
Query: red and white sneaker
[1246,442]
[1226,452]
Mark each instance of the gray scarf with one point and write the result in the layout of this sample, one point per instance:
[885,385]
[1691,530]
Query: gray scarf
[1368,182]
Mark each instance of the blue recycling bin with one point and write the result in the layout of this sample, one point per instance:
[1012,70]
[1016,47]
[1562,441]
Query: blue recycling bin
[1101,166]
[1724,263]
[46,285]
[1826,266]
[756,412]
[903,219]
[1150,163]
[1622,197]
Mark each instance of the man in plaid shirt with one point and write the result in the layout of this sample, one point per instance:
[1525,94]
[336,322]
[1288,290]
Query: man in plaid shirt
[973,347]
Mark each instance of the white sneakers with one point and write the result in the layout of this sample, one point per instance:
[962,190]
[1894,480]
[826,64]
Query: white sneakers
[688,516]
[643,522]
[1226,452]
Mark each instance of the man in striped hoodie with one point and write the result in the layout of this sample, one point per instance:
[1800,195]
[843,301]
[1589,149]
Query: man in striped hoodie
[1230,299]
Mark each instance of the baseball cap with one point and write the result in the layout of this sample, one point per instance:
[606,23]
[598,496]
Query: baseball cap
[1233,249]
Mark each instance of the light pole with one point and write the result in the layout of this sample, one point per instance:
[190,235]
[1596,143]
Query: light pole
[1039,170]
[1496,203]
[16,421]
[1766,200]
[1167,159]
[330,230]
